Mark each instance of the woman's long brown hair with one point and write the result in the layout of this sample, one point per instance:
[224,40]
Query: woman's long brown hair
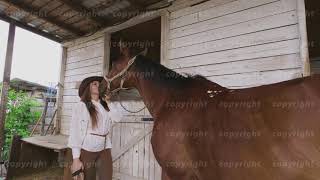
[86,98]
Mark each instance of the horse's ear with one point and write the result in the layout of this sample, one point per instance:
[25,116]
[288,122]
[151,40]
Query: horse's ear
[144,52]
[123,48]
[121,45]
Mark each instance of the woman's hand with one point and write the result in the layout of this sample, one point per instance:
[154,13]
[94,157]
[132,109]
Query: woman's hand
[107,98]
[76,165]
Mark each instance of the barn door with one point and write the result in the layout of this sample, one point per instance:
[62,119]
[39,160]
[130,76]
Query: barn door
[132,152]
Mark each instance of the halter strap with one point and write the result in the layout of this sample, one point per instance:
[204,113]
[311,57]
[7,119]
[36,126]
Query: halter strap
[122,72]
[125,70]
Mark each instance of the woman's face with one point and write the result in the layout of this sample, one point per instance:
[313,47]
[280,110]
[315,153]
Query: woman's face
[94,87]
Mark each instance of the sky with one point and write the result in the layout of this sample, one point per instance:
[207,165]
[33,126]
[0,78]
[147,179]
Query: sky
[35,58]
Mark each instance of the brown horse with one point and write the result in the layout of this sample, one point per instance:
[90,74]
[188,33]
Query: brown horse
[205,131]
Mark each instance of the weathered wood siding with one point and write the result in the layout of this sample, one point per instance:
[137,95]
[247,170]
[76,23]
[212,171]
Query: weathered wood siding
[83,60]
[237,43]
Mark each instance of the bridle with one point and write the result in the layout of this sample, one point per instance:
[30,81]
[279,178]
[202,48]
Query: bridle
[122,74]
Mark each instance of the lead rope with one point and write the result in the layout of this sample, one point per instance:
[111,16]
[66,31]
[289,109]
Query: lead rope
[119,99]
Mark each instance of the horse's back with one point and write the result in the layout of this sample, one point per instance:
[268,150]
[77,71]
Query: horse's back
[310,84]
[275,126]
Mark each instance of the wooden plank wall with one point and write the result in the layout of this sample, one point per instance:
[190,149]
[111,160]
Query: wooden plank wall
[83,60]
[237,43]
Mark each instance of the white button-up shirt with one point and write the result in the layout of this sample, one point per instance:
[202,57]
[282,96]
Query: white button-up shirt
[81,127]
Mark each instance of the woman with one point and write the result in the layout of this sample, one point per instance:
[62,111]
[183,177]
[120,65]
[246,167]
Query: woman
[90,132]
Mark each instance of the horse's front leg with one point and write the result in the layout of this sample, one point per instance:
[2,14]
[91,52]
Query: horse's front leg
[164,176]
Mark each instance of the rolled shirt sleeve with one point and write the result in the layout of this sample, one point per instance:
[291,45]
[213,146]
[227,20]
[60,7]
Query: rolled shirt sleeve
[76,153]
[74,140]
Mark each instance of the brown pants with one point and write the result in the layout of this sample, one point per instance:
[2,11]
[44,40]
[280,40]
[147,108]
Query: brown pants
[97,163]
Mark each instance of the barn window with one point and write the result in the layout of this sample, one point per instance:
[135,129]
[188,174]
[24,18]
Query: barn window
[313,29]
[138,37]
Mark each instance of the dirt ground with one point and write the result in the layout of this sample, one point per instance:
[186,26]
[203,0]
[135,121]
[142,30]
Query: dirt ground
[55,173]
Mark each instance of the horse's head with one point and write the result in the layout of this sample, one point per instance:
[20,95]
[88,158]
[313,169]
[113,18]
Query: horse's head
[120,75]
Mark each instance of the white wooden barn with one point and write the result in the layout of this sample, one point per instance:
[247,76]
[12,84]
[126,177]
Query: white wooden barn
[236,43]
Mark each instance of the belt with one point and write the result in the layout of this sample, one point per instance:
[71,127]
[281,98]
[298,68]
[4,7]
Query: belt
[100,134]
[105,138]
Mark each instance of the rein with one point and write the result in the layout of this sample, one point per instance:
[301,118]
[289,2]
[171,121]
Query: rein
[126,108]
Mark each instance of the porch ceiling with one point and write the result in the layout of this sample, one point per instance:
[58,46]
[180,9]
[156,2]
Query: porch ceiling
[63,20]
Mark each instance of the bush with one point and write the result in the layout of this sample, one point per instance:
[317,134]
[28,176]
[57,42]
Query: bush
[19,115]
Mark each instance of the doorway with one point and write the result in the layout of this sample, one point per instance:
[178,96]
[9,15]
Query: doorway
[313,29]
[138,38]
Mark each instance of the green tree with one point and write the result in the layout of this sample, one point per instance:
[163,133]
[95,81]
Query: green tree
[21,111]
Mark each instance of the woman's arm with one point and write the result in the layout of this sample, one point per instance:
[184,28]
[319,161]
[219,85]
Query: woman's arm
[74,141]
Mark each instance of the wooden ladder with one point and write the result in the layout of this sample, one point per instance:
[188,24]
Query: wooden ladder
[42,118]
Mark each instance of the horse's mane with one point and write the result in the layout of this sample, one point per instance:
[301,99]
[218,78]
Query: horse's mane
[174,80]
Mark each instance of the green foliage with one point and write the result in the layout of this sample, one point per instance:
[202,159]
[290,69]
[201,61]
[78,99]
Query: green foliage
[21,111]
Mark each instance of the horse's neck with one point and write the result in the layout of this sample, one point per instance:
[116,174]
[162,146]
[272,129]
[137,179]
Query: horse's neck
[153,95]
[156,96]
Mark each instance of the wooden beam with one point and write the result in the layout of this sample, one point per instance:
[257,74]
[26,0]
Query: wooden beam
[106,53]
[136,4]
[304,50]
[103,5]
[57,121]
[165,23]
[30,28]
[15,151]
[43,117]
[141,18]
[51,121]
[6,83]
[38,14]
[85,11]
[35,126]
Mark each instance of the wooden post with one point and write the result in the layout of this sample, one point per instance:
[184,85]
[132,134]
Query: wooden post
[6,84]
[57,122]
[48,128]
[304,50]
[14,156]
[106,53]
[165,23]
[43,116]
